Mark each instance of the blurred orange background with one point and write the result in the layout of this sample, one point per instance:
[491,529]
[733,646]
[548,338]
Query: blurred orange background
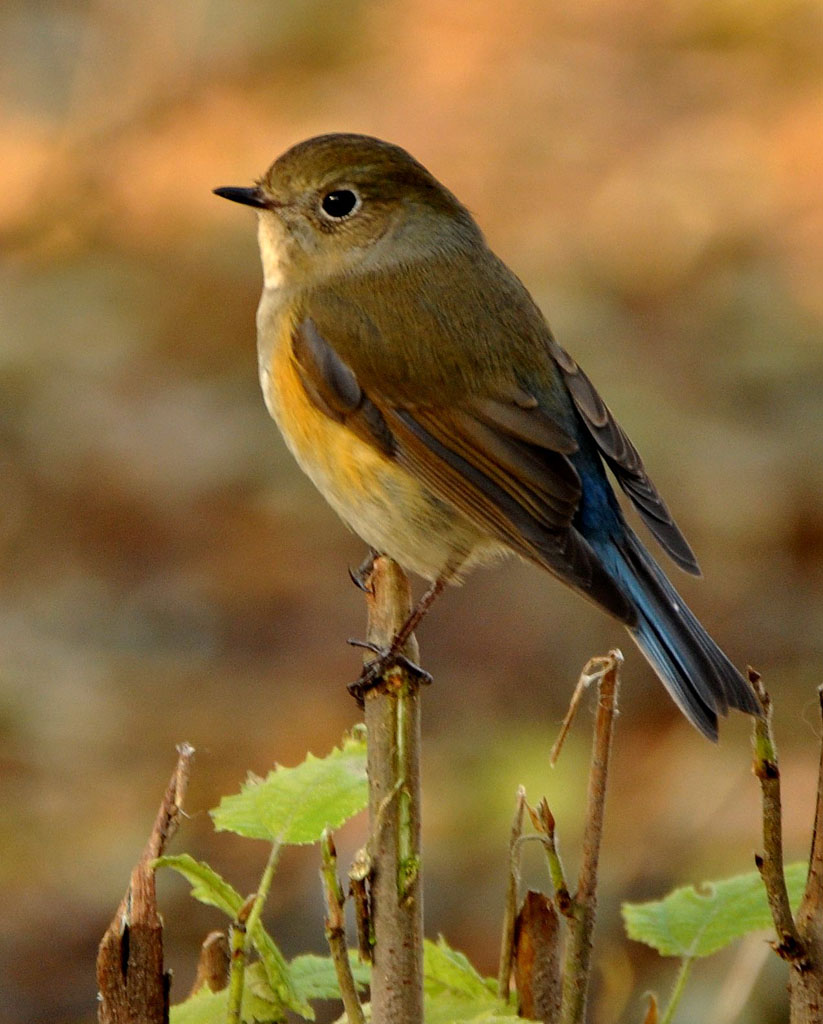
[653,173]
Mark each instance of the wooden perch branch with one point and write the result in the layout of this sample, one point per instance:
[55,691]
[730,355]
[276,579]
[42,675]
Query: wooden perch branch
[133,986]
[392,712]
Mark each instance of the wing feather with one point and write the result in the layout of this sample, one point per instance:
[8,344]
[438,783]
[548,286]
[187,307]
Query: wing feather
[625,461]
[502,462]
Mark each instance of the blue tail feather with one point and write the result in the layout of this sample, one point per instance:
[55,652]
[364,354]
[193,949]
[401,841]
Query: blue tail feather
[698,675]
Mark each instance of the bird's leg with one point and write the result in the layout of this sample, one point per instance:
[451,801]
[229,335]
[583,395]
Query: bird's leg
[386,657]
[419,612]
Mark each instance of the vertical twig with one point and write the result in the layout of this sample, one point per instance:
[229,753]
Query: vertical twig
[811,906]
[244,931]
[584,903]
[504,971]
[258,900]
[799,938]
[770,863]
[336,930]
[238,952]
[392,712]
[806,985]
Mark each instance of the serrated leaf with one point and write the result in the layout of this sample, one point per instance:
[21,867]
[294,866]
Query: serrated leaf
[315,976]
[206,885]
[294,805]
[204,1007]
[278,974]
[260,999]
[688,923]
[447,970]
[454,992]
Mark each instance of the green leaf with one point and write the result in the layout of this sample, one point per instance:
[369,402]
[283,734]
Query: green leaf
[211,889]
[446,970]
[261,1002]
[206,885]
[315,976]
[207,1007]
[455,993]
[278,975]
[294,805]
[688,923]
[204,1007]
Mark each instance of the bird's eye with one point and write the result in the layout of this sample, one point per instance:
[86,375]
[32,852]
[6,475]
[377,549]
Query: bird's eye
[340,203]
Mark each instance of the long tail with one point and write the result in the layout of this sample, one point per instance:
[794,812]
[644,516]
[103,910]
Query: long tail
[698,675]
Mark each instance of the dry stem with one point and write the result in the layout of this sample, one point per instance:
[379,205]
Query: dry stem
[134,988]
[581,926]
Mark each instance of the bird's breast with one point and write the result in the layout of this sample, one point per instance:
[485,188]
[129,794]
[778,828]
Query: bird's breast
[381,501]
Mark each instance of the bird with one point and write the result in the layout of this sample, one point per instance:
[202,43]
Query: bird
[419,386]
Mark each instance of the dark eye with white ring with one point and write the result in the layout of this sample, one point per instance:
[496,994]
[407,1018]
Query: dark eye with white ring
[340,203]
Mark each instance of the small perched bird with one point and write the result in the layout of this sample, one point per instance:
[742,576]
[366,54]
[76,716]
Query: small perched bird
[419,386]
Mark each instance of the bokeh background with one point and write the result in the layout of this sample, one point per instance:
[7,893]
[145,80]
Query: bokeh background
[653,171]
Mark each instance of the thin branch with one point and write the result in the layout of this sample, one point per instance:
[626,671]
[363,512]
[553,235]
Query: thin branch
[336,930]
[255,911]
[592,671]
[238,951]
[581,927]
[504,971]
[244,931]
[609,681]
[811,906]
[806,982]
[800,938]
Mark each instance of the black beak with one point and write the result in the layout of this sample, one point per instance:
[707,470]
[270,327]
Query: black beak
[248,196]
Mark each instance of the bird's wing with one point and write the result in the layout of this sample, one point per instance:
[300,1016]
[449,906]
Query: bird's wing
[501,461]
[624,460]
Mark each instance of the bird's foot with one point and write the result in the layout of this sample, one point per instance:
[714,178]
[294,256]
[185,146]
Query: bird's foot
[360,575]
[386,658]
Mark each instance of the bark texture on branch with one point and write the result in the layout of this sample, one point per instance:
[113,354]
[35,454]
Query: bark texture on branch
[392,712]
[133,985]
